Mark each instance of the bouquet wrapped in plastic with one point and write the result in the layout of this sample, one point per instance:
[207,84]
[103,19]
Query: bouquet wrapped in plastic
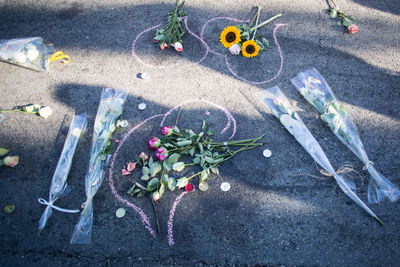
[317,92]
[110,109]
[32,53]
[281,108]
[59,181]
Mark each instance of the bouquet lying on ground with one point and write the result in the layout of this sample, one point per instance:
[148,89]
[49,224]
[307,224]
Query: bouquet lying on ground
[172,33]
[110,109]
[177,149]
[313,87]
[59,181]
[32,53]
[281,108]
[244,38]
[42,111]
[10,161]
[345,20]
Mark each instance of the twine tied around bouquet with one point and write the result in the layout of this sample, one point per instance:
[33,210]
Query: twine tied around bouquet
[59,55]
[343,169]
[367,164]
[51,205]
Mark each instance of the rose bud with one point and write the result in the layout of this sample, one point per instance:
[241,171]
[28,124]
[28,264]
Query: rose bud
[45,112]
[189,187]
[167,130]
[352,29]
[155,40]
[178,46]
[235,49]
[155,196]
[161,153]
[143,156]
[11,161]
[131,166]
[163,46]
[153,143]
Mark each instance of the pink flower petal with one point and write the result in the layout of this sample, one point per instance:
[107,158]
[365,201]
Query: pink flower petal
[131,166]
[125,172]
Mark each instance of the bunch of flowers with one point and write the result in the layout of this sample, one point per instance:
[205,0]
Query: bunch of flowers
[244,38]
[282,110]
[313,87]
[10,161]
[171,150]
[345,20]
[172,33]
[42,111]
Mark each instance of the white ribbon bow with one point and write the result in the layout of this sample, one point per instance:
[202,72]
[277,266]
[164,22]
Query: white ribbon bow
[50,204]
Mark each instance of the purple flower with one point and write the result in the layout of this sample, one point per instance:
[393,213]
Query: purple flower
[167,130]
[153,143]
[161,153]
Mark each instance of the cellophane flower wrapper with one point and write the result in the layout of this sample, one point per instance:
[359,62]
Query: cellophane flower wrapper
[110,109]
[313,87]
[58,185]
[32,53]
[281,109]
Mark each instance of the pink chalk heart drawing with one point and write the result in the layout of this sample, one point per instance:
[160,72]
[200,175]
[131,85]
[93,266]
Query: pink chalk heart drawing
[231,124]
[207,49]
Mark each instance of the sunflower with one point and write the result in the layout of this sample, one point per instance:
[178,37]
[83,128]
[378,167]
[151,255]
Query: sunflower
[229,36]
[250,48]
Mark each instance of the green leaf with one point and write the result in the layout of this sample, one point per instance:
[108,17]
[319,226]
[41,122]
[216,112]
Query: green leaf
[145,171]
[191,151]
[351,17]
[265,42]
[130,191]
[182,182]
[3,151]
[332,13]
[184,143]
[165,179]
[173,158]
[203,186]
[176,129]
[155,168]
[152,185]
[145,177]
[167,145]
[203,126]
[171,183]
[140,186]
[203,175]
[201,148]
[346,22]
[137,190]
[196,160]
[202,162]
[150,161]
[215,170]
[209,159]
[167,167]
[161,191]
[210,133]
[179,166]
[141,194]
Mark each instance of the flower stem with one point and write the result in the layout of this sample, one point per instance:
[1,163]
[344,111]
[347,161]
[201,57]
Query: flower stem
[158,222]
[265,22]
[258,16]
[177,117]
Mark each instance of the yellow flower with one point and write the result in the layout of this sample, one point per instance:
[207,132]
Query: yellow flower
[250,48]
[229,36]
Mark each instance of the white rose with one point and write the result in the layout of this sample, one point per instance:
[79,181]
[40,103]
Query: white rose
[178,46]
[19,57]
[32,53]
[45,112]
[235,49]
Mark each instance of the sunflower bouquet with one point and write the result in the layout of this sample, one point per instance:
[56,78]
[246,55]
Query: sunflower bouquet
[172,33]
[244,38]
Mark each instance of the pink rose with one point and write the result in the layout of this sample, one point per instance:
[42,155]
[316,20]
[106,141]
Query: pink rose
[155,196]
[131,166]
[161,153]
[143,156]
[167,130]
[163,46]
[125,172]
[352,29]
[11,161]
[153,143]
[155,40]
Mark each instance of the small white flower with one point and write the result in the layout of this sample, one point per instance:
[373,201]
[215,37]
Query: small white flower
[235,49]
[45,112]
[19,57]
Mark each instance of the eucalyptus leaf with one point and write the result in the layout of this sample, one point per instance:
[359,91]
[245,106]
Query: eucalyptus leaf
[203,126]
[173,158]
[179,166]
[167,167]
[209,160]
[141,194]
[145,171]
[184,143]
[191,151]
[333,13]
[165,179]
[137,190]
[202,162]
[171,183]
[203,175]
[140,186]
[196,160]
[145,177]
[210,133]
[215,170]
[182,182]
[155,168]
[3,151]
[176,129]
[161,191]
[200,145]
[152,185]
[150,161]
